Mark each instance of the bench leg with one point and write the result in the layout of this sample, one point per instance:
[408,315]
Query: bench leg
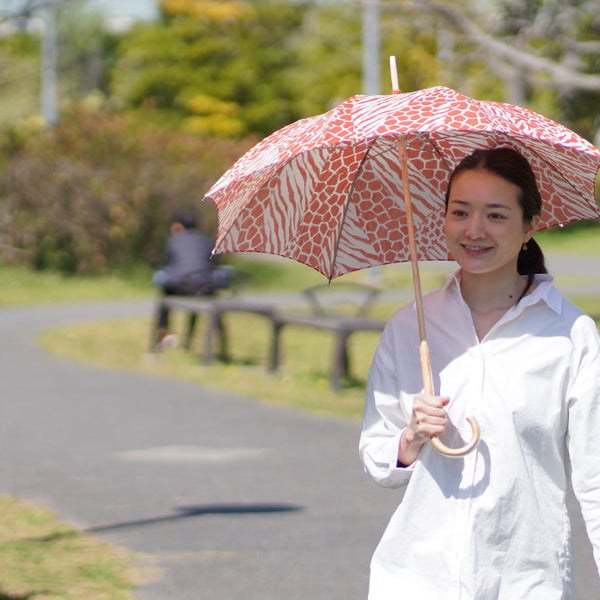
[215,325]
[223,342]
[157,326]
[275,347]
[341,361]
[192,320]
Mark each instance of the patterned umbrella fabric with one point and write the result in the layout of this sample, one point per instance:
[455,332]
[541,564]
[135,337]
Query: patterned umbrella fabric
[327,191]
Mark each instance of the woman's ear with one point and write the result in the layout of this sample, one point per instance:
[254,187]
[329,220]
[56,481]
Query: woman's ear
[531,227]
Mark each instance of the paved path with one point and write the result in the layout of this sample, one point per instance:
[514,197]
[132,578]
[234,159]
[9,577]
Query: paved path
[233,500]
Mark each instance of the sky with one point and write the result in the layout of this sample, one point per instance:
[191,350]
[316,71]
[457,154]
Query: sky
[120,14]
[134,9]
[137,9]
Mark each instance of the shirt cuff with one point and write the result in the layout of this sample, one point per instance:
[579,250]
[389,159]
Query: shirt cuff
[394,460]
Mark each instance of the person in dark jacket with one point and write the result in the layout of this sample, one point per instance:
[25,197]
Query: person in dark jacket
[189,269]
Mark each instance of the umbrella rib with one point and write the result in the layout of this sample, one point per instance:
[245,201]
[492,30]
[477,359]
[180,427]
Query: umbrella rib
[438,151]
[240,215]
[347,204]
[510,140]
[568,182]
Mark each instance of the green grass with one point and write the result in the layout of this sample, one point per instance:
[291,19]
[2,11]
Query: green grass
[580,240]
[44,559]
[20,286]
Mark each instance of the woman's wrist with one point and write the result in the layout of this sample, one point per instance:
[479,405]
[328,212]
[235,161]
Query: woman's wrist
[409,448]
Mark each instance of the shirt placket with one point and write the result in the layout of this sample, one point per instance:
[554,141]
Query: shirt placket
[459,540]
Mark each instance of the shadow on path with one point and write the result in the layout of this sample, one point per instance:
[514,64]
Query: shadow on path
[186,512]
[183,512]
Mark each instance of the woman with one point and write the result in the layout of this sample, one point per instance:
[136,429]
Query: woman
[509,350]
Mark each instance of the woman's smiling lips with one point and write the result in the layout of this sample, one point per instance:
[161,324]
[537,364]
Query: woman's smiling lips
[475,250]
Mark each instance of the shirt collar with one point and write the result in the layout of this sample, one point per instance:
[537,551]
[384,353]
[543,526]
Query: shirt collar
[544,291]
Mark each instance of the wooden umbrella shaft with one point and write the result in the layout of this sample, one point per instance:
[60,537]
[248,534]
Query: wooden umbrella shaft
[423,345]
[416,276]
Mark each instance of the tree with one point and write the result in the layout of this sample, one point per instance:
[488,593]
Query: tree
[215,66]
[84,56]
[329,56]
[546,52]
[233,67]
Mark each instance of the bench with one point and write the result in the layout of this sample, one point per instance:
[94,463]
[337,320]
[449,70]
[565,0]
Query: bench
[214,307]
[341,309]
[324,303]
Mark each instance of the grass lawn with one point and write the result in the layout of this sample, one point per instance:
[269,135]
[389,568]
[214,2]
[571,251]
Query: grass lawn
[22,286]
[584,240]
[44,559]
[303,380]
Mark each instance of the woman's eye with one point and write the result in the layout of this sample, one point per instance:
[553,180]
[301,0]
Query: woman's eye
[497,216]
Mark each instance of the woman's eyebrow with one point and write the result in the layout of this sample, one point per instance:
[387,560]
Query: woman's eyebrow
[490,205]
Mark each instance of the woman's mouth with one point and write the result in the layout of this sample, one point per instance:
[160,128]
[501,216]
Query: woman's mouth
[475,250]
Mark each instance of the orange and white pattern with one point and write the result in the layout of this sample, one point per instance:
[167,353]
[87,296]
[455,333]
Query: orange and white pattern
[327,191]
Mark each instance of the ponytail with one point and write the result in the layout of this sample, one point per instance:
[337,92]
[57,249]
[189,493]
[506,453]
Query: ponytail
[531,259]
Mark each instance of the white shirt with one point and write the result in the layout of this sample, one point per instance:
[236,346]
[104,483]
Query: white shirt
[492,525]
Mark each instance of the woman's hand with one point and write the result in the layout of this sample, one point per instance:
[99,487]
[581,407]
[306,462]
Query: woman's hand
[428,419]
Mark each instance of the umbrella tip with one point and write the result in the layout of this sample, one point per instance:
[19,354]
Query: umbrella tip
[394,75]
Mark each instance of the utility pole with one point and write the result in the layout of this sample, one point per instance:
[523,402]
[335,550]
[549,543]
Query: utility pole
[371,71]
[49,54]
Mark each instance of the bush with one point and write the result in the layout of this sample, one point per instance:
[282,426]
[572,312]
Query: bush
[97,192]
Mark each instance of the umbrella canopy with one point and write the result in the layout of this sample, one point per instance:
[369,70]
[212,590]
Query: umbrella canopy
[364,185]
[327,191]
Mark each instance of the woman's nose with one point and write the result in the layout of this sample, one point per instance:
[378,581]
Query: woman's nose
[474,227]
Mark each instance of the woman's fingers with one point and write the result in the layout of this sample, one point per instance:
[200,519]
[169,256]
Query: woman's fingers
[429,415]
[428,419]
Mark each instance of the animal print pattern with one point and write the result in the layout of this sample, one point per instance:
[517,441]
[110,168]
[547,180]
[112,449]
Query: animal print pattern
[327,191]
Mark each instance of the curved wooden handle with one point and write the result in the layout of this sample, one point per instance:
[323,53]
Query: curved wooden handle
[458,452]
[428,387]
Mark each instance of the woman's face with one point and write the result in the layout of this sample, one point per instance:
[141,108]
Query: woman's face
[484,222]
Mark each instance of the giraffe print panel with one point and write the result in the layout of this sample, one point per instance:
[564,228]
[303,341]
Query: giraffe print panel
[327,191]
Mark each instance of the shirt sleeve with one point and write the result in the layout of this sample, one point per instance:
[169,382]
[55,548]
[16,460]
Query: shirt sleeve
[384,418]
[583,437]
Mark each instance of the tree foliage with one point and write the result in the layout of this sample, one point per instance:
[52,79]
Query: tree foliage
[216,67]
[150,116]
[543,53]
[328,65]
[232,67]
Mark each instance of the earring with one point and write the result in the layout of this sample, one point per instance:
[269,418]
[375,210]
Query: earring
[524,247]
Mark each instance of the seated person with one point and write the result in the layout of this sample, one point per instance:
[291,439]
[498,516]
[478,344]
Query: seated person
[189,268]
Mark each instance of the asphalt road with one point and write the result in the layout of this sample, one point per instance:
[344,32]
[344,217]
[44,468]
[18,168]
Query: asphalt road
[231,499]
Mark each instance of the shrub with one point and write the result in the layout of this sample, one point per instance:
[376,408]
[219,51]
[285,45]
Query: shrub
[97,192]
